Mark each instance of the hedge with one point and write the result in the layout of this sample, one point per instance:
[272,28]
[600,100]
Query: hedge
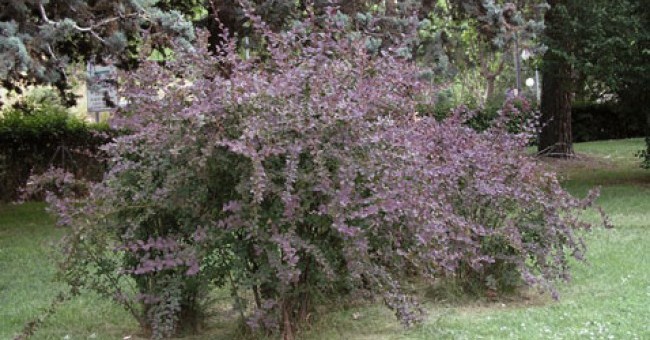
[593,121]
[32,140]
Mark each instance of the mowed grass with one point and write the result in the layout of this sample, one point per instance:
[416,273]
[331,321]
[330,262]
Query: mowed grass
[27,283]
[609,297]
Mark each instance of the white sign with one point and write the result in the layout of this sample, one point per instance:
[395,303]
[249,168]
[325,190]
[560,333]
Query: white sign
[101,88]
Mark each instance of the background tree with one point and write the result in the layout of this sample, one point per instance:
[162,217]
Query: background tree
[596,50]
[40,38]
[556,138]
[479,38]
[281,14]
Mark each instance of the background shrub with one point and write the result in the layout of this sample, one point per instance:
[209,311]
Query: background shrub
[593,121]
[644,155]
[38,134]
[518,109]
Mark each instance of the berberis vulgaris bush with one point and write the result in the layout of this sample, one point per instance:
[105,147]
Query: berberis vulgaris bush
[304,175]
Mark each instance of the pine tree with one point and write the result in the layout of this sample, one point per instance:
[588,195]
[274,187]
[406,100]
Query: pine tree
[40,38]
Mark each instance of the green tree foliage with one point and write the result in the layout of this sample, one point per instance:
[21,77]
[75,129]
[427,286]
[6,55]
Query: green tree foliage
[596,51]
[388,17]
[40,38]
[473,41]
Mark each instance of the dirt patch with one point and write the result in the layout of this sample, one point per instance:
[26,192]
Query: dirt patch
[598,170]
[579,162]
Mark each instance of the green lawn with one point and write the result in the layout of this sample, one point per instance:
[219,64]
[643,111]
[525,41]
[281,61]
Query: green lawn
[609,297]
[27,286]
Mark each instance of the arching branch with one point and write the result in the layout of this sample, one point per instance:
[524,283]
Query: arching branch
[87,29]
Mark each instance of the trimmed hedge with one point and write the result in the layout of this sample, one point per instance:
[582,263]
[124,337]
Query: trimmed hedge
[592,121]
[34,139]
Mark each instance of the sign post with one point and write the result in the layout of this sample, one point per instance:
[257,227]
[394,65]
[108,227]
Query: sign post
[101,89]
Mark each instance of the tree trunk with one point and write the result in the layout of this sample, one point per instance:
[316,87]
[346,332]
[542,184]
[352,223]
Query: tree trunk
[489,91]
[556,139]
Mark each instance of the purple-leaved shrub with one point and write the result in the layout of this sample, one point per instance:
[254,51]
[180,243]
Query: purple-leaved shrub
[301,175]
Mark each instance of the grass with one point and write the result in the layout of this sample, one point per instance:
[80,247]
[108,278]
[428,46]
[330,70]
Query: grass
[27,285]
[608,298]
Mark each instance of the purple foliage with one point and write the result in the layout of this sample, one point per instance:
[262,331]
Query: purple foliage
[302,171]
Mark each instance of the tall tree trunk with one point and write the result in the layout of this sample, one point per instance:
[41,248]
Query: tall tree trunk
[556,139]
[489,91]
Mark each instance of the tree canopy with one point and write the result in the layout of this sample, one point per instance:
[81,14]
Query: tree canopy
[40,38]
[596,50]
